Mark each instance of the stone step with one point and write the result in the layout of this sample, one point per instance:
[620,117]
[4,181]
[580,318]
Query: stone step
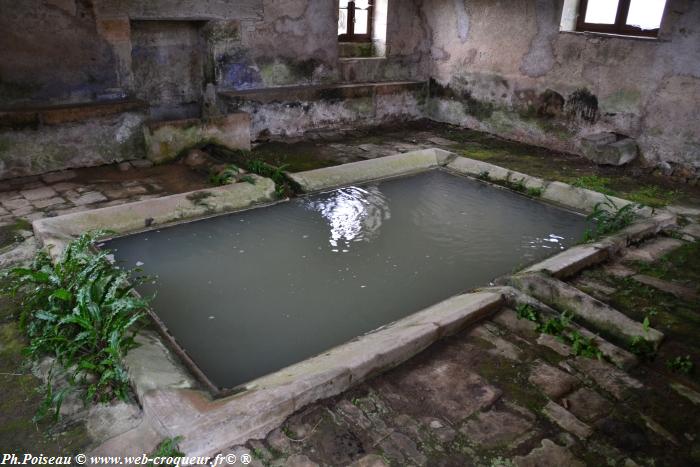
[566,420]
[692,229]
[587,309]
[679,291]
[653,250]
[507,317]
[594,288]
[613,380]
[618,356]
[691,395]
[548,454]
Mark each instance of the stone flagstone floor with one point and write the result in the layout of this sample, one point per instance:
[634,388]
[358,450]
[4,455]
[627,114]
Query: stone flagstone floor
[499,394]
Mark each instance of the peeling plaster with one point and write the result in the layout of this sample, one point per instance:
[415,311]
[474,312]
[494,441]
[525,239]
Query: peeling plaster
[462,20]
[540,58]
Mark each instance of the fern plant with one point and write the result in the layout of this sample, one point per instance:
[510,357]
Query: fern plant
[224,177]
[608,218]
[83,312]
[264,169]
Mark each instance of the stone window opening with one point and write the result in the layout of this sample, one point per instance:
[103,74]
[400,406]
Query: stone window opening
[355,20]
[620,17]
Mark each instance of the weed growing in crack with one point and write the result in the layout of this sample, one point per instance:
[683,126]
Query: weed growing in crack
[681,365]
[282,185]
[83,312]
[168,448]
[595,183]
[528,312]
[649,313]
[560,327]
[224,177]
[608,218]
[198,197]
[248,179]
[642,348]
[534,192]
[516,185]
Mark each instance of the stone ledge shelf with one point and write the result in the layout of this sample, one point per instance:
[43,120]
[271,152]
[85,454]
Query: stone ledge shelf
[321,92]
[165,140]
[58,114]
[293,110]
[47,139]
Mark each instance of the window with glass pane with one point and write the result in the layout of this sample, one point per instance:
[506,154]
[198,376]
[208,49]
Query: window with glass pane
[601,11]
[355,20]
[625,17]
[343,22]
[646,14]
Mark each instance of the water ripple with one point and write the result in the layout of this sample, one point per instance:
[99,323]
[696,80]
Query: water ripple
[353,214]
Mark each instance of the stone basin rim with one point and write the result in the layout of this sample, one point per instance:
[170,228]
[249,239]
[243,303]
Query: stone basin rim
[254,408]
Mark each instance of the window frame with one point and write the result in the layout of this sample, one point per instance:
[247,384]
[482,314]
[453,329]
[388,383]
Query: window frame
[619,27]
[350,35]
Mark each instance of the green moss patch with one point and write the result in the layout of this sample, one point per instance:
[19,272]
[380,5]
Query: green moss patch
[10,234]
[296,157]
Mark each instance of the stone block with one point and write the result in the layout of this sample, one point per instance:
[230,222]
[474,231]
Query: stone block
[70,137]
[552,381]
[447,390]
[615,381]
[89,198]
[653,250]
[600,139]
[549,454]
[370,460]
[54,177]
[587,404]
[567,420]
[299,460]
[605,149]
[44,203]
[497,428]
[686,392]
[15,203]
[64,186]
[38,193]
[364,171]
[585,308]
[141,163]
[684,293]
[166,140]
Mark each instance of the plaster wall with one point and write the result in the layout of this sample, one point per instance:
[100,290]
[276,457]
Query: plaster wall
[505,67]
[175,55]
[68,51]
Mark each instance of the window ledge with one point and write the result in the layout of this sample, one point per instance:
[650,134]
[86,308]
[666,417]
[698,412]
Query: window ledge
[605,35]
[357,59]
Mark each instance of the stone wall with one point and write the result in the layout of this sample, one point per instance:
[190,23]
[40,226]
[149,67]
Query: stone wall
[505,68]
[45,140]
[291,111]
[501,67]
[51,51]
[67,51]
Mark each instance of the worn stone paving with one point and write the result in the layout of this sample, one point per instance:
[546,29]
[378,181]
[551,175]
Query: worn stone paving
[499,394]
[492,395]
[502,394]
